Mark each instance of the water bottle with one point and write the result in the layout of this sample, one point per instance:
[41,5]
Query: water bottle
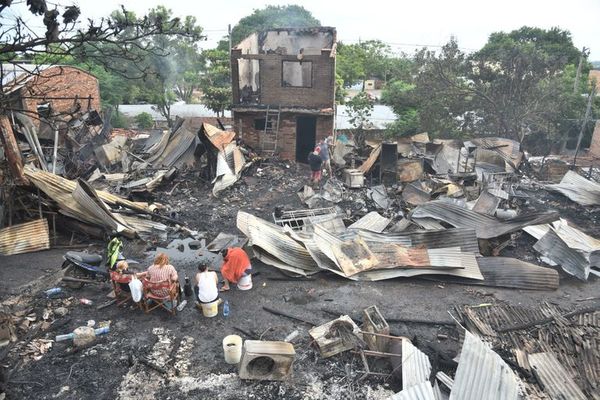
[182,305]
[226,308]
[53,291]
[102,331]
[86,302]
[187,288]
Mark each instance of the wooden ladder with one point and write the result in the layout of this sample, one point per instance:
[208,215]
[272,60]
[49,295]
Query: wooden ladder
[270,132]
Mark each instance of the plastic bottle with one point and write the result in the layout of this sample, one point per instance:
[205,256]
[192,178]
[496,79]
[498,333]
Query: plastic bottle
[226,308]
[187,288]
[86,302]
[53,291]
[181,306]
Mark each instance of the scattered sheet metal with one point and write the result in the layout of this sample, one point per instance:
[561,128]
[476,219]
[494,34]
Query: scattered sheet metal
[429,224]
[578,189]
[332,190]
[369,162]
[225,240]
[413,194]
[273,240]
[482,374]
[379,196]
[230,163]
[456,237]
[486,226]
[298,219]
[373,222]
[512,273]
[61,188]
[509,150]
[486,203]
[416,367]
[571,261]
[175,153]
[422,391]
[555,379]
[220,139]
[573,340]
[24,238]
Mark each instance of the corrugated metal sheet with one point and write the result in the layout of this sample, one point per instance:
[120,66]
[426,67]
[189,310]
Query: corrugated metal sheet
[578,189]
[416,367]
[373,221]
[61,187]
[459,237]
[513,273]
[486,226]
[422,391]
[272,239]
[482,374]
[220,139]
[556,380]
[24,238]
[571,261]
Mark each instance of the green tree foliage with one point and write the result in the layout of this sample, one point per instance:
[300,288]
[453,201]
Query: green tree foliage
[144,120]
[399,95]
[370,59]
[216,81]
[359,109]
[289,16]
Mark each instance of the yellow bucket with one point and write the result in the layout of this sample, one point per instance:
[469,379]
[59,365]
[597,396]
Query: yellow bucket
[210,309]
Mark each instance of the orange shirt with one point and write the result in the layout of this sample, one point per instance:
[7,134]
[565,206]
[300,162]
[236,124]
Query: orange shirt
[235,264]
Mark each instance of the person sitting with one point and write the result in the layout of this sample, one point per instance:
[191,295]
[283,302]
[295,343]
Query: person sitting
[236,269]
[205,284]
[123,275]
[161,271]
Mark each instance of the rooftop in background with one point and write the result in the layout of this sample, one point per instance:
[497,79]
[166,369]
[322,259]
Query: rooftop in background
[15,73]
[380,117]
[177,110]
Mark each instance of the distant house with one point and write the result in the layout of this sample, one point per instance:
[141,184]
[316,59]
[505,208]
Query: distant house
[43,91]
[377,122]
[283,83]
[196,113]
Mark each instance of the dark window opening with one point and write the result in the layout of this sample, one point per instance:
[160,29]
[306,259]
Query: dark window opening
[296,74]
[259,124]
[44,110]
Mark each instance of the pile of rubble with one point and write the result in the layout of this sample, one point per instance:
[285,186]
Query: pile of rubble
[88,177]
[443,209]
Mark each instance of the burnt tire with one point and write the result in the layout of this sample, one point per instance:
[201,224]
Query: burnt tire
[73,271]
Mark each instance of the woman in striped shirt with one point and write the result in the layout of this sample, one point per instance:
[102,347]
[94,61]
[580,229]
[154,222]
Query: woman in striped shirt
[161,271]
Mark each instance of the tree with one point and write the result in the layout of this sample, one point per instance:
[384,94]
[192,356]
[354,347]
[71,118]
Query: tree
[144,120]
[400,96]
[516,78]
[359,109]
[216,81]
[289,16]
[370,59]
[109,44]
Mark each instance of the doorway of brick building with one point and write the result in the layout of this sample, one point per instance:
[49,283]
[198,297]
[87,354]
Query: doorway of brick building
[306,133]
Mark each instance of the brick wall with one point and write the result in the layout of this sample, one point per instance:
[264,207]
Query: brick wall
[286,138]
[59,85]
[320,95]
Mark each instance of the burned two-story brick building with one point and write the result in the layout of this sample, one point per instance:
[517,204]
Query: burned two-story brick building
[283,84]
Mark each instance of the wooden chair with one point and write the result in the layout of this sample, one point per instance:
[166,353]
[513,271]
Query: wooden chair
[122,296]
[153,301]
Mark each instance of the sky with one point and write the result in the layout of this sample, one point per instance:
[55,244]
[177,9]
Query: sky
[405,25]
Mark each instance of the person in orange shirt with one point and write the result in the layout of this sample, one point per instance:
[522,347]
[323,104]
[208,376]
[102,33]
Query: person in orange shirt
[236,269]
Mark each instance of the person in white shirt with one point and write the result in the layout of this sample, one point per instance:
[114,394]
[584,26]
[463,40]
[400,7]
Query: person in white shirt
[205,284]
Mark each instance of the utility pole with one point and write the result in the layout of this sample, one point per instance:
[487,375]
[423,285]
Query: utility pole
[584,53]
[585,121]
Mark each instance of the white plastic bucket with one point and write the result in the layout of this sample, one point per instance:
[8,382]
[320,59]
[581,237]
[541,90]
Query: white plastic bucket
[245,283]
[210,309]
[232,347]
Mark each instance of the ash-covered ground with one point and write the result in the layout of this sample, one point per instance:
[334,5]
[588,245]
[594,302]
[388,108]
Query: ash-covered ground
[187,348]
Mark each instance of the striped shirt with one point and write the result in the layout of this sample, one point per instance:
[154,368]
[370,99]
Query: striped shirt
[159,273]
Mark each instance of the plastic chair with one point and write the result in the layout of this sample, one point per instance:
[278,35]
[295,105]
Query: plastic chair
[122,296]
[152,300]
